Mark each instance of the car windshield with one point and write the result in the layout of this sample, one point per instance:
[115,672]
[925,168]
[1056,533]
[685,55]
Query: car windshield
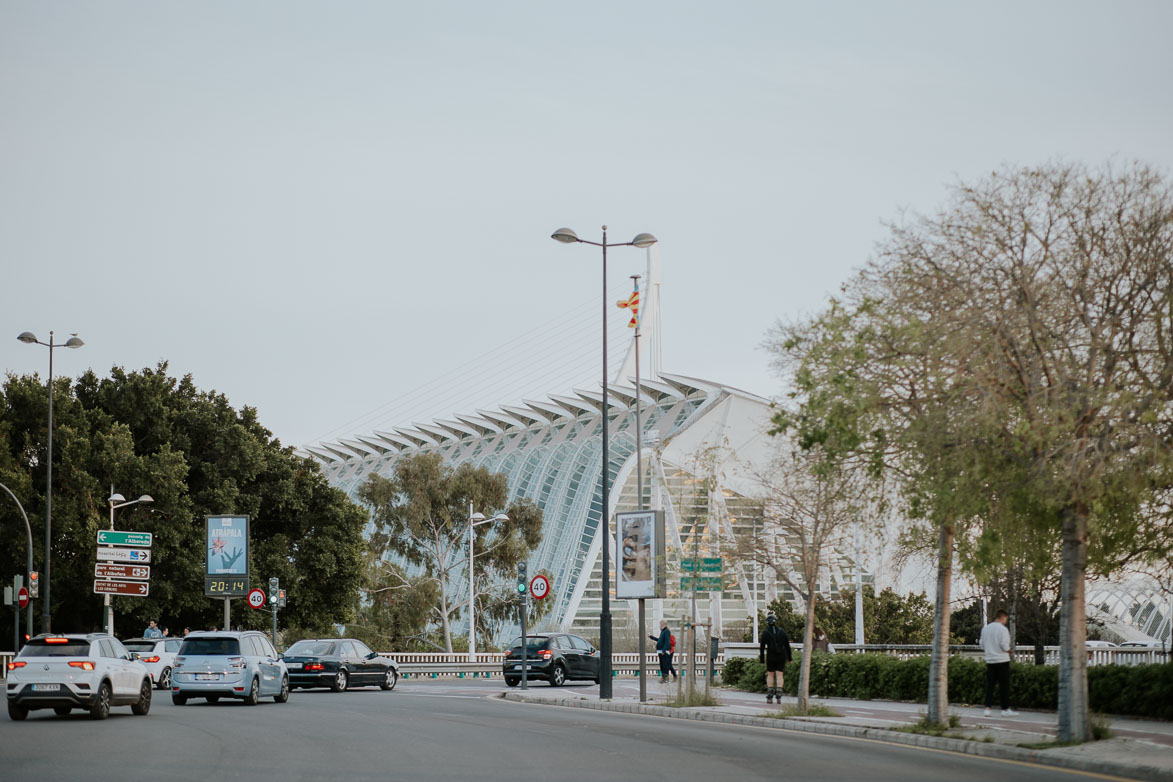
[195,646]
[310,647]
[139,646]
[533,643]
[55,647]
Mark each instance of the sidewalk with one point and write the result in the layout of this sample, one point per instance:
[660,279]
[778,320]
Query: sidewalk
[1139,749]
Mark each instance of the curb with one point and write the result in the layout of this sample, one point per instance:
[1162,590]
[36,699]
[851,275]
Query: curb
[960,746]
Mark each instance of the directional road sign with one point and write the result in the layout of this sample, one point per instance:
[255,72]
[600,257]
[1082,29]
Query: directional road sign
[702,583]
[22,597]
[256,598]
[115,537]
[539,587]
[703,564]
[133,588]
[141,556]
[108,570]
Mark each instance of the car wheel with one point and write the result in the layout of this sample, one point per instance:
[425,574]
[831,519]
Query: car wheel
[101,708]
[213,699]
[558,676]
[282,696]
[512,681]
[165,679]
[143,705]
[390,679]
[17,713]
[340,681]
[178,700]
[61,711]
[254,693]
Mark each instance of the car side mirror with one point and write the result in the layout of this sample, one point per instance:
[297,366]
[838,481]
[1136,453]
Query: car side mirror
[132,656]
[372,655]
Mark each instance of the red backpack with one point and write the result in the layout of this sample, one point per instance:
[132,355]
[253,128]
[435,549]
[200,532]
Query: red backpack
[671,643]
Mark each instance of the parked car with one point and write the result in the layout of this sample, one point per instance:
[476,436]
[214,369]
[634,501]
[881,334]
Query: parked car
[63,672]
[554,657]
[241,664]
[338,663]
[158,655]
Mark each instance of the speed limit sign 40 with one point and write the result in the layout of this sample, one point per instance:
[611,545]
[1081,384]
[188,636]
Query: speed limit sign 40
[256,598]
[539,587]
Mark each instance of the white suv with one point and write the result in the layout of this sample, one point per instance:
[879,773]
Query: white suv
[64,672]
[158,654]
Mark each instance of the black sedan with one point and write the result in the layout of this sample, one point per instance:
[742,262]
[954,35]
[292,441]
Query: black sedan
[338,663]
[554,657]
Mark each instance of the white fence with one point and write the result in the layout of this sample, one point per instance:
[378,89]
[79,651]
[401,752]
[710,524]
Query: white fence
[1128,655]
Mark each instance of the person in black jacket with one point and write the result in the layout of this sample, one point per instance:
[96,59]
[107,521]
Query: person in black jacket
[774,652]
[664,648]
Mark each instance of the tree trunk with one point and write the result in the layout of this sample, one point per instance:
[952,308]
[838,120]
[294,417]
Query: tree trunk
[1073,699]
[808,642]
[938,710]
[445,620]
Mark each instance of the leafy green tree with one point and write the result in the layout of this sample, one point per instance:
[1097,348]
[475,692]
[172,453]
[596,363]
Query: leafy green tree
[147,432]
[889,617]
[421,515]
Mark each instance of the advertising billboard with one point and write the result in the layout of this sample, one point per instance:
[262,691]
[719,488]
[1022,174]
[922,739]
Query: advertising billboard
[639,563]
[227,546]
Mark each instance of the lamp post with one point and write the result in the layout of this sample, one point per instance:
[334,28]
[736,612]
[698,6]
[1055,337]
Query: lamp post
[73,342]
[116,501]
[28,531]
[567,236]
[475,520]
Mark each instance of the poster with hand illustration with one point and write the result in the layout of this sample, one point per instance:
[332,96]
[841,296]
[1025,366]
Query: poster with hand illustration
[640,559]
[227,546]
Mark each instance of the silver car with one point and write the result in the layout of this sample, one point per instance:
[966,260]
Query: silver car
[157,654]
[238,664]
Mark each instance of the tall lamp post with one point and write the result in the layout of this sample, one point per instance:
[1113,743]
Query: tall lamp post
[74,342]
[116,501]
[475,520]
[567,236]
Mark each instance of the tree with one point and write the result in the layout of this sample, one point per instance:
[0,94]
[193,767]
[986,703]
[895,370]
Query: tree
[421,516]
[146,432]
[809,503]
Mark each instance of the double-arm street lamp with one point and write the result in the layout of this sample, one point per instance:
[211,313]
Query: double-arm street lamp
[475,520]
[567,236]
[74,341]
[117,501]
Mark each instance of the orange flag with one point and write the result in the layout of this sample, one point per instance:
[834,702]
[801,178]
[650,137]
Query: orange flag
[631,303]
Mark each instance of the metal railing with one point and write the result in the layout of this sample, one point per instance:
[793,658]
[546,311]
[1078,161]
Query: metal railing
[1125,655]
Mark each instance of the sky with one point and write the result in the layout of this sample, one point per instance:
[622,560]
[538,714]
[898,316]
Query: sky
[339,213]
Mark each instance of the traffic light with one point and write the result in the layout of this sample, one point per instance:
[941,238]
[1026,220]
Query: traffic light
[522,585]
[274,587]
[280,598]
[34,584]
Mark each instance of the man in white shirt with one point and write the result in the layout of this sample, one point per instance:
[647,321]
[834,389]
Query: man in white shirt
[996,647]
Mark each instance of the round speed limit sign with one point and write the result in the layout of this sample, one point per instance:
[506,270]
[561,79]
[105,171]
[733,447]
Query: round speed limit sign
[539,587]
[256,598]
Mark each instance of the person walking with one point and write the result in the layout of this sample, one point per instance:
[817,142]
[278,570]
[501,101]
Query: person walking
[152,630]
[996,650]
[664,650]
[774,652]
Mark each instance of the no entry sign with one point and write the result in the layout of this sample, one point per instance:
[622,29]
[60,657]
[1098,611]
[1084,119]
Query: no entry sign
[256,598]
[22,597]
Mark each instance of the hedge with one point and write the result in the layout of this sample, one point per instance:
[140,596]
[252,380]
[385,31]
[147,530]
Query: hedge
[1139,690]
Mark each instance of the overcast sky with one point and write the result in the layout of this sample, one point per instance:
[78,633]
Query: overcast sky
[339,212]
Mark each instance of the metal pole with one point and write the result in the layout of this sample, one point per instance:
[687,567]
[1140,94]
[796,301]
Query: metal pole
[524,642]
[472,623]
[859,638]
[605,615]
[46,611]
[28,531]
[107,607]
[274,624]
[227,613]
[639,490]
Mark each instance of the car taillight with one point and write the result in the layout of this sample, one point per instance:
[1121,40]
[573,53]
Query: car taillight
[56,640]
[236,662]
[545,654]
[315,667]
[178,662]
[14,665]
[152,659]
[85,665]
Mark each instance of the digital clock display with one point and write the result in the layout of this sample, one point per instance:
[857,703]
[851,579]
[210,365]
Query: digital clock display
[220,586]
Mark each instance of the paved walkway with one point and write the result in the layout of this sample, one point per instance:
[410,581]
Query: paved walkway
[1138,749]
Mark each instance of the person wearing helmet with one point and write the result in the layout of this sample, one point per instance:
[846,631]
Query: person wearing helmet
[774,652]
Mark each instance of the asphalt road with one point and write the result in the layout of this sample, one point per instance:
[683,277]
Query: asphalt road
[449,731]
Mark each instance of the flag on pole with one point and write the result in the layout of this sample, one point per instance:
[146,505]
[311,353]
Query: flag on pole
[631,303]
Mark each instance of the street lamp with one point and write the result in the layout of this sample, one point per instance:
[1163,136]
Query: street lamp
[475,520]
[117,501]
[73,342]
[567,236]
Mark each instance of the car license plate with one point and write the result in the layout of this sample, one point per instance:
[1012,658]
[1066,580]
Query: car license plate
[46,687]
[207,677]
[293,666]
[517,667]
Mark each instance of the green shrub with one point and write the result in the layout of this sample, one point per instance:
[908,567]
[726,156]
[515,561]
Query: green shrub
[1140,690]
[733,670]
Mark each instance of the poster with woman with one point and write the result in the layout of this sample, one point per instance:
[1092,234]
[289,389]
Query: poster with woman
[640,557]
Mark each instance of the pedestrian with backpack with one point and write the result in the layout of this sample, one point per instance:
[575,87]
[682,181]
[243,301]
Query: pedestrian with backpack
[665,646]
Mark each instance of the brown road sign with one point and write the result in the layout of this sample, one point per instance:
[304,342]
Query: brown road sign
[133,588]
[110,570]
